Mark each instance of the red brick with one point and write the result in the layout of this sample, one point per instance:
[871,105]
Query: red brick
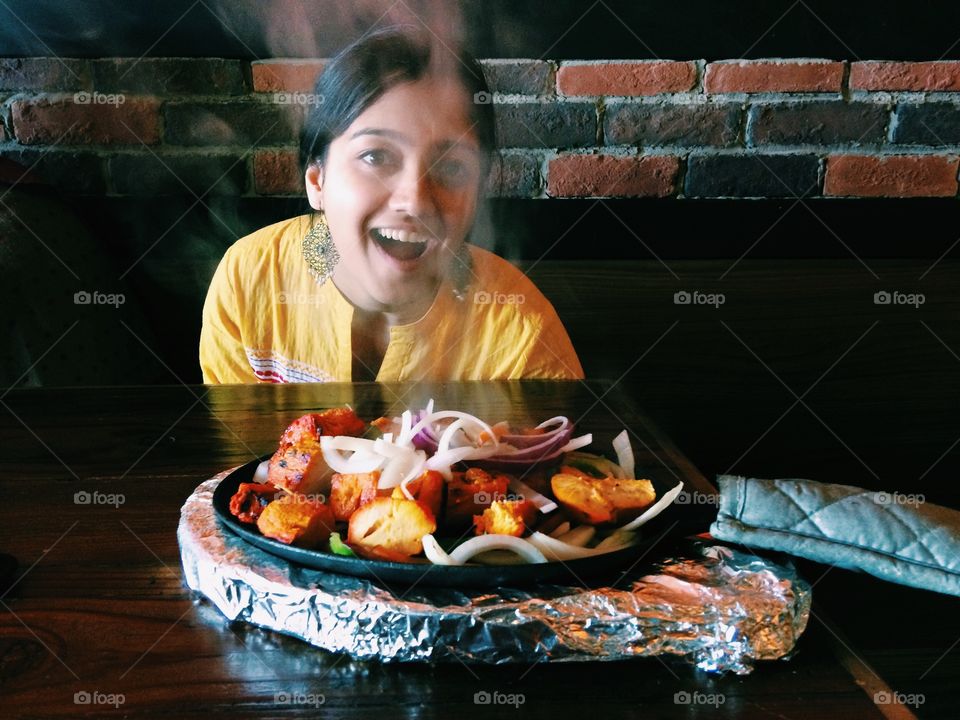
[277,172]
[285,75]
[752,76]
[609,176]
[134,121]
[626,78]
[891,176]
[919,76]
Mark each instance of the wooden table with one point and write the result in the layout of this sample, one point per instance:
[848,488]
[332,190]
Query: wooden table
[98,605]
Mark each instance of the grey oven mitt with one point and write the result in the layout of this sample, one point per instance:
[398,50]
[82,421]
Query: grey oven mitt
[896,537]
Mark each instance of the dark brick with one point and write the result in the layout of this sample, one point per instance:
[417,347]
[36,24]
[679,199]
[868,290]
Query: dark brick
[516,175]
[816,123]
[654,124]
[751,175]
[169,76]
[546,125]
[933,123]
[75,173]
[51,74]
[178,174]
[231,123]
[523,77]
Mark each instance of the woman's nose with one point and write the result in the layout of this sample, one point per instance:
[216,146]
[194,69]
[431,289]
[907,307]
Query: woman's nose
[413,194]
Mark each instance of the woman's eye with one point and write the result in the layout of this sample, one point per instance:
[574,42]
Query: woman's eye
[377,158]
[452,173]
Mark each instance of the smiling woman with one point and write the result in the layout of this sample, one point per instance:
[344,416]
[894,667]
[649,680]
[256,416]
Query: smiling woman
[380,282]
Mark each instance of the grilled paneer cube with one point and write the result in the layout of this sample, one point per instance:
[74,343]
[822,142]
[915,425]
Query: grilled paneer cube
[297,520]
[601,501]
[390,529]
[426,489]
[348,491]
[506,517]
[298,465]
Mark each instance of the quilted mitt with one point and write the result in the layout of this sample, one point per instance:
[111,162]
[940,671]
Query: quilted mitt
[895,537]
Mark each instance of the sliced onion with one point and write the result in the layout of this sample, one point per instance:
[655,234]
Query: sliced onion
[555,549]
[483,543]
[562,528]
[435,553]
[362,460]
[621,445]
[543,503]
[658,507]
[618,538]
[420,461]
[443,463]
[260,475]
[579,536]
[576,443]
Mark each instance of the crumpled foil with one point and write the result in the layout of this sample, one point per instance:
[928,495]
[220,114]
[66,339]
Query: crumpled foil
[718,608]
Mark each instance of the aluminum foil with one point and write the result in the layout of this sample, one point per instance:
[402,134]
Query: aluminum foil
[717,608]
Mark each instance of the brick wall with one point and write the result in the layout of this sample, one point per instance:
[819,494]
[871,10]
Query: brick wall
[758,128]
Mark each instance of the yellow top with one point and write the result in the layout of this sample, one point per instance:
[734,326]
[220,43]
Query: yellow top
[266,320]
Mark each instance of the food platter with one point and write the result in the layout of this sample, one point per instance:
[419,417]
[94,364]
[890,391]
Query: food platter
[601,569]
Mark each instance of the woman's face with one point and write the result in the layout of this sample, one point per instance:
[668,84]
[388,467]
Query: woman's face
[399,189]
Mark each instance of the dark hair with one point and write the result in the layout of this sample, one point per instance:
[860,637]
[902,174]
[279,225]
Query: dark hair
[363,71]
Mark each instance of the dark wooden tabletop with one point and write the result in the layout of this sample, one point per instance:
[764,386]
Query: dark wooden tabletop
[98,610]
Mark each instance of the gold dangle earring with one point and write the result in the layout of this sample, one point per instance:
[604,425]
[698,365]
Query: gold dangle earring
[320,253]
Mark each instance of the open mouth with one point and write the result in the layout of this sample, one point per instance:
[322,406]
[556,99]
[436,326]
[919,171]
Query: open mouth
[401,245]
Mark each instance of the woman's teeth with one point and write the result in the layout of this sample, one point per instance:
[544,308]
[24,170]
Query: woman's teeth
[401,245]
[401,235]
